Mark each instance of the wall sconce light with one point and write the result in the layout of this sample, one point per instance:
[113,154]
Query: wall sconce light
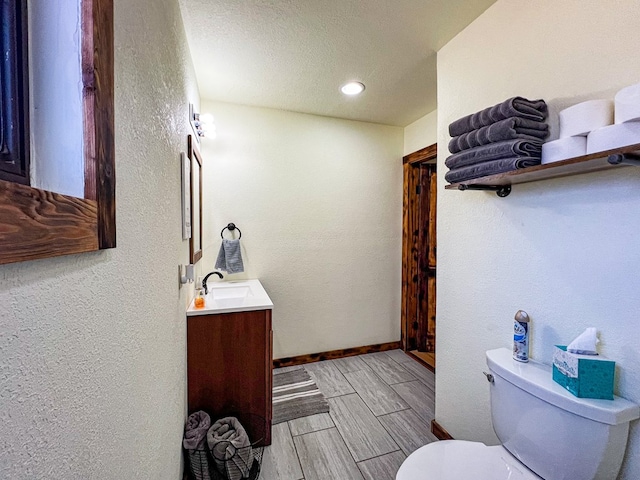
[202,124]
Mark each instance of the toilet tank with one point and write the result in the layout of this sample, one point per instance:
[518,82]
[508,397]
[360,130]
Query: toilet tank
[555,434]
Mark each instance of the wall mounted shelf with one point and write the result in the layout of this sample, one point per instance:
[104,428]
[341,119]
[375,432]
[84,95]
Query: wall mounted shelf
[501,183]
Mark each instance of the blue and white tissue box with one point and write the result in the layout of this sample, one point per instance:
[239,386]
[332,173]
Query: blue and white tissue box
[586,376]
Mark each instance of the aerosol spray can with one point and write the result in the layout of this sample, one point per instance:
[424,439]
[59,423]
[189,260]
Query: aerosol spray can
[521,336]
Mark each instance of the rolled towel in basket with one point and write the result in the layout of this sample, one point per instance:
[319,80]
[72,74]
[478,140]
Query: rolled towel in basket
[194,442]
[195,432]
[231,448]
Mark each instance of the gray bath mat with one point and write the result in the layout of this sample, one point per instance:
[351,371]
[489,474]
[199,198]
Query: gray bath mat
[296,395]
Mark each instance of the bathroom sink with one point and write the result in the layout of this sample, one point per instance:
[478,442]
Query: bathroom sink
[237,296]
[228,295]
[229,291]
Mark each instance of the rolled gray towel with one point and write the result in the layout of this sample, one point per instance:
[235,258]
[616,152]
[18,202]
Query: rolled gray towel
[514,107]
[195,436]
[509,129]
[495,151]
[195,431]
[490,168]
[231,448]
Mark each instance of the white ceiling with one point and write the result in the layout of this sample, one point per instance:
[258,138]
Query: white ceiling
[295,54]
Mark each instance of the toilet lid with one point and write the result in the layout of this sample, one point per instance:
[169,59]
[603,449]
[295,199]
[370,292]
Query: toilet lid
[456,459]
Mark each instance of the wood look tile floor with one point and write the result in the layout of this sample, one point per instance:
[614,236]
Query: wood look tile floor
[381,404]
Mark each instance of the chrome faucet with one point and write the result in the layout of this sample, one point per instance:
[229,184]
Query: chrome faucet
[204,280]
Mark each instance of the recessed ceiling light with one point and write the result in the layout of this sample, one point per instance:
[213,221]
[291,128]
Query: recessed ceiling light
[352,88]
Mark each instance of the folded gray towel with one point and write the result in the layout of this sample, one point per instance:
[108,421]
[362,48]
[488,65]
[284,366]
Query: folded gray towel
[490,168]
[195,436]
[231,448]
[509,129]
[230,257]
[514,107]
[495,151]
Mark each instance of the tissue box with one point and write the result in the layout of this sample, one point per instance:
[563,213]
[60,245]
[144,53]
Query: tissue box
[586,376]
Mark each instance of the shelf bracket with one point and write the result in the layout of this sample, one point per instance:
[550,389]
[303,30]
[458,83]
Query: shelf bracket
[624,159]
[501,190]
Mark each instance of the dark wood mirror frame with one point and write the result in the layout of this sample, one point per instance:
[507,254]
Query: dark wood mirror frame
[36,223]
[195,242]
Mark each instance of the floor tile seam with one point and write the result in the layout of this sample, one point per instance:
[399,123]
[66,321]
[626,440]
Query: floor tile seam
[391,435]
[344,358]
[374,416]
[405,381]
[378,456]
[432,410]
[427,423]
[391,413]
[393,383]
[342,375]
[357,370]
[313,431]
[371,410]
[428,386]
[399,363]
[417,364]
[346,445]
[381,455]
[374,373]
[415,375]
[304,474]
[295,449]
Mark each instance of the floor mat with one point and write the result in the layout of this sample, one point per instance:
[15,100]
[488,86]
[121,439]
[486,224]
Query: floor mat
[296,395]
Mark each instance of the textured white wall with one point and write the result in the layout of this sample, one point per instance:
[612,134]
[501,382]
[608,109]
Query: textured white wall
[92,346]
[319,203]
[565,250]
[421,133]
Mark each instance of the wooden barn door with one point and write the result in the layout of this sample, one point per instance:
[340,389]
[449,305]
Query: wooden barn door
[419,255]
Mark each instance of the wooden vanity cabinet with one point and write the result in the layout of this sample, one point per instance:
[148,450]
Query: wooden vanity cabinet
[229,368]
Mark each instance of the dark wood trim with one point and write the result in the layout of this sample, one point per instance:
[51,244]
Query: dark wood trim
[104,121]
[39,224]
[426,154]
[439,432]
[333,354]
[409,257]
[410,242]
[416,357]
[195,156]
[88,102]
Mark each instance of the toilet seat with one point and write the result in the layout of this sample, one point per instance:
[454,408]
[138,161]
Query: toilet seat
[456,459]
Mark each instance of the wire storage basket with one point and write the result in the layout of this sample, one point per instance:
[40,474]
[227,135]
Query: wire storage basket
[199,464]
[224,461]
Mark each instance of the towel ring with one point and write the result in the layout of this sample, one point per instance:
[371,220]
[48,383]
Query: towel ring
[231,227]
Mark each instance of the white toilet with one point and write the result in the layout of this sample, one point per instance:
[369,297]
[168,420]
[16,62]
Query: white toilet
[545,431]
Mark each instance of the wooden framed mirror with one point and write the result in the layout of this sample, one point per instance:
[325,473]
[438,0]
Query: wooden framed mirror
[195,242]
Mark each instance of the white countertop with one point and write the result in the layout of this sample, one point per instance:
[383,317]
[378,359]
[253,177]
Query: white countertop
[233,296]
